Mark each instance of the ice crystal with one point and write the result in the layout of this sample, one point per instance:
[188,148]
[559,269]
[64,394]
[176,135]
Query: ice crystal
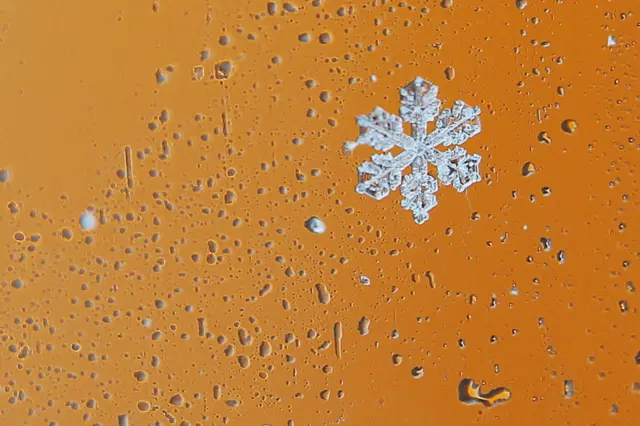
[383,131]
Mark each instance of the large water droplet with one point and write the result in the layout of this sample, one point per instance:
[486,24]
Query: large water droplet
[315,225]
[88,221]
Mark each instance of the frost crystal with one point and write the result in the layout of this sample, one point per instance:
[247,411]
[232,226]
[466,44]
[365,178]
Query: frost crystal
[384,131]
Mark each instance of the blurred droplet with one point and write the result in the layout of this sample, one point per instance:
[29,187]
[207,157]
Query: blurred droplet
[325,38]
[88,221]
[315,225]
[449,73]
[363,326]
[568,388]
[324,296]
[176,399]
[417,372]
[569,126]
[223,70]
[528,169]
[544,137]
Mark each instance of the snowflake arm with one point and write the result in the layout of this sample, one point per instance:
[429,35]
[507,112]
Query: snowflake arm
[380,130]
[383,174]
[418,189]
[456,125]
[420,105]
[457,168]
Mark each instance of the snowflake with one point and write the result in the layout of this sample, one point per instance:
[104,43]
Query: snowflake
[384,131]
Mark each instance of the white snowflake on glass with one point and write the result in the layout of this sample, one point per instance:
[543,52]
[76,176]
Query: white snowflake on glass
[383,131]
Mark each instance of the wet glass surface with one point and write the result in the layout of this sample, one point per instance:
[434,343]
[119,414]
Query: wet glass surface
[192,236]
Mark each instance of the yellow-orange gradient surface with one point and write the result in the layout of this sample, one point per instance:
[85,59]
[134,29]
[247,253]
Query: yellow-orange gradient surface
[159,162]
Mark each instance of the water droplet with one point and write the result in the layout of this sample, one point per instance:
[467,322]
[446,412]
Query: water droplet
[223,70]
[265,349]
[289,7]
[176,399]
[325,38]
[569,126]
[449,73]
[197,73]
[624,306]
[528,169]
[417,372]
[363,326]
[544,137]
[66,234]
[432,279]
[568,388]
[160,77]
[315,225]
[244,337]
[141,376]
[469,393]
[323,293]
[546,243]
[88,221]
[217,392]
[244,361]
[123,420]
[304,37]
[561,256]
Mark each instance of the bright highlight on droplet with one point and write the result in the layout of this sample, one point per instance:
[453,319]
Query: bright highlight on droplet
[88,221]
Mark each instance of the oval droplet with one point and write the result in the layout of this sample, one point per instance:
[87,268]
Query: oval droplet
[569,126]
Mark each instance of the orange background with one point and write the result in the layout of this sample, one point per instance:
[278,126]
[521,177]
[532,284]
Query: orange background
[79,84]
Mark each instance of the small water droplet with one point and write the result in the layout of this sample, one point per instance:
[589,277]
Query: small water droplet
[528,169]
[570,126]
[363,326]
[324,296]
[449,73]
[568,388]
[325,38]
[417,372]
[315,225]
